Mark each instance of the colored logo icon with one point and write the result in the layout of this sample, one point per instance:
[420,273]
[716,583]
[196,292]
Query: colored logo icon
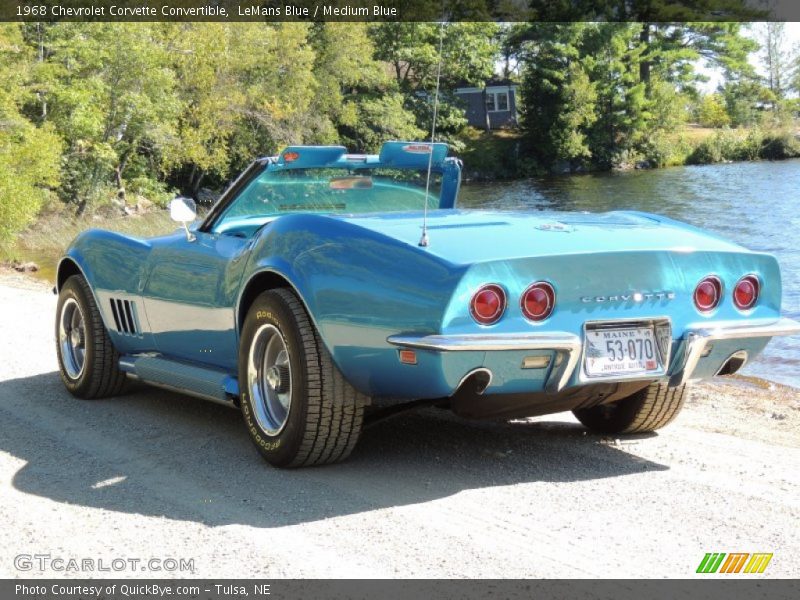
[736,562]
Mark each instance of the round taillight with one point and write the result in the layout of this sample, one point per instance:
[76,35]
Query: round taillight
[708,293]
[745,294]
[538,301]
[488,304]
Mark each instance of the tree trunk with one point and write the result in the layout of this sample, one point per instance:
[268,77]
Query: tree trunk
[81,207]
[120,184]
[41,96]
[83,204]
[196,179]
[644,65]
[118,176]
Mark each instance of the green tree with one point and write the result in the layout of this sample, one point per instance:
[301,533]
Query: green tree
[670,51]
[113,98]
[29,155]
[274,65]
[776,59]
[744,99]
[356,92]
[203,57]
[469,51]
[241,95]
[712,113]
[623,106]
[640,74]
[411,51]
[558,98]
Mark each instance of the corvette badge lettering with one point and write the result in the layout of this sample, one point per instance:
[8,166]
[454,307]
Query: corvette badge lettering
[630,297]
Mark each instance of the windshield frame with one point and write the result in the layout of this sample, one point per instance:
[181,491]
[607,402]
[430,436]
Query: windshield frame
[449,170]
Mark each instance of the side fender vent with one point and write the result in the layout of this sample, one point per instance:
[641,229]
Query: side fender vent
[125,317]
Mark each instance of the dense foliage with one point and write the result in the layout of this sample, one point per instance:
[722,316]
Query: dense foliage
[616,88]
[99,113]
[29,155]
[94,113]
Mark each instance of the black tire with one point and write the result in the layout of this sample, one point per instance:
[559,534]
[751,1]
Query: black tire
[99,376]
[325,412]
[647,410]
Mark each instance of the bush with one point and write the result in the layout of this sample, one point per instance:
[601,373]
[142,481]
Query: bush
[749,148]
[157,192]
[780,146]
[661,151]
[726,145]
[29,161]
[495,155]
[719,147]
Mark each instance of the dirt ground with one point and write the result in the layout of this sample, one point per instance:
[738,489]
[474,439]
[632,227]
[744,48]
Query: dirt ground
[159,475]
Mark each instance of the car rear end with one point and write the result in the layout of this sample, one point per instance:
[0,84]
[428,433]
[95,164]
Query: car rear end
[576,316]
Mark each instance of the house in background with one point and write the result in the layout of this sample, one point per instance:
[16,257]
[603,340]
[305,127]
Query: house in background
[493,107]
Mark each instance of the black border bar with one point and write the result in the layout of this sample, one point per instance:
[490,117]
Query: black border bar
[727,588]
[669,11]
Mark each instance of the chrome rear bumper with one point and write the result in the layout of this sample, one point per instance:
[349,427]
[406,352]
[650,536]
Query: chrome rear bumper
[484,341]
[568,346]
[697,341]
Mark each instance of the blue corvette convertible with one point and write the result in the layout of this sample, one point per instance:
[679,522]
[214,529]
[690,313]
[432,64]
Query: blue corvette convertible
[319,293]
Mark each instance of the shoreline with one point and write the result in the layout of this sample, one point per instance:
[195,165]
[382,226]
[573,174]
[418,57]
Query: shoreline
[691,145]
[469,179]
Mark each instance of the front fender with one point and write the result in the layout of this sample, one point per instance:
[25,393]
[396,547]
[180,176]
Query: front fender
[109,260]
[113,265]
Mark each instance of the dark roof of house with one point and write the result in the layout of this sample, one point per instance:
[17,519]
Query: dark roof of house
[489,82]
[498,81]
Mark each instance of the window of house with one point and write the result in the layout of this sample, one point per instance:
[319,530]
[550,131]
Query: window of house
[496,101]
[502,101]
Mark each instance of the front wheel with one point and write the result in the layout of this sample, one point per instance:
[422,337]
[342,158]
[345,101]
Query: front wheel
[297,407]
[648,409]
[87,360]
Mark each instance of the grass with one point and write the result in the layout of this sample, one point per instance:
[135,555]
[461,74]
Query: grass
[45,241]
[693,133]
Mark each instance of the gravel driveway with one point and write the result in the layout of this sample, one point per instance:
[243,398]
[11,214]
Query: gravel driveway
[158,475]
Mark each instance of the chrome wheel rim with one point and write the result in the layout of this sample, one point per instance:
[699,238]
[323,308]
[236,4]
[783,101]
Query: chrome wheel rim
[269,379]
[72,338]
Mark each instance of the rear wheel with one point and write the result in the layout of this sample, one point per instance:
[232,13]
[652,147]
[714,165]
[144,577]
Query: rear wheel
[648,409]
[87,360]
[297,407]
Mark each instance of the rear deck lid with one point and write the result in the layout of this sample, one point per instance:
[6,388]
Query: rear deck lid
[470,236]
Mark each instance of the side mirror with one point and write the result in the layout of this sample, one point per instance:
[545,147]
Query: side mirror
[184,211]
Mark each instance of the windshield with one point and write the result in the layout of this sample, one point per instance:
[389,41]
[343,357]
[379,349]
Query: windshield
[326,190]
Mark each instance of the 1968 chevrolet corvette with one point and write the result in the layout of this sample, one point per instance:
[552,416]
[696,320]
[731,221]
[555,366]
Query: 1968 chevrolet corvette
[311,290]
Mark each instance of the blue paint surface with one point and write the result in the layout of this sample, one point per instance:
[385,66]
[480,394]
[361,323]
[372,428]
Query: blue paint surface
[363,278]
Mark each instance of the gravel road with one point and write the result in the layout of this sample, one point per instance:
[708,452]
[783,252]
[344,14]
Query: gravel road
[158,475]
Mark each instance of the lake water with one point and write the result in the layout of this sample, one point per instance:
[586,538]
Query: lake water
[755,204]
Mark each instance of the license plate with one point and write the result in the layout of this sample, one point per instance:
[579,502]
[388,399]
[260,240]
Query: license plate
[622,351]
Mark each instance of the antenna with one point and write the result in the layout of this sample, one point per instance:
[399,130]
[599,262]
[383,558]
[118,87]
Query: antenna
[423,241]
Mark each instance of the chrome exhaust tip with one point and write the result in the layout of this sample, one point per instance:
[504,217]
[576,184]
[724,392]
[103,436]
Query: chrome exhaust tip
[733,363]
[479,379]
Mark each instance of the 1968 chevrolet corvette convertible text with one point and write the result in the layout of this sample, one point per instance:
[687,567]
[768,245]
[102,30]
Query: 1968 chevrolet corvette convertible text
[318,285]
